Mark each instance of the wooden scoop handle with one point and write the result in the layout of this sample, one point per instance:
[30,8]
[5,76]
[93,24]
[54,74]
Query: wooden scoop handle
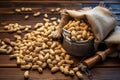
[99,56]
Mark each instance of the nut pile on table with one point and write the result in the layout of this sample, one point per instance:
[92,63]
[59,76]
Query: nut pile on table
[37,50]
[23,9]
[5,47]
[13,27]
[79,30]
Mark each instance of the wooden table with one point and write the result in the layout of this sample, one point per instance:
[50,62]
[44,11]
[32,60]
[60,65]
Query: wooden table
[107,70]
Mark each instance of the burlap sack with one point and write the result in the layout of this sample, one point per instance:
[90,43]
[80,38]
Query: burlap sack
[101,20]
[114,38]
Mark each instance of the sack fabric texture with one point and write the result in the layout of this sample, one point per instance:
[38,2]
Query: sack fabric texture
[101,20]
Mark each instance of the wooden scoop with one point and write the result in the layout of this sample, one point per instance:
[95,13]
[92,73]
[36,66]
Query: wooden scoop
[99,56]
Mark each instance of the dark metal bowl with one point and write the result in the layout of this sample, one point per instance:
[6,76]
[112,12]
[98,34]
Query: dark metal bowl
[77,48]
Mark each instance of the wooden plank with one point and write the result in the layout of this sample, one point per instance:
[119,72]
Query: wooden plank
[17,74]
[67,2]
[20,17]
[6,62]
[97,73]
[44,5]
[42,9]
[106,73]
[110,62]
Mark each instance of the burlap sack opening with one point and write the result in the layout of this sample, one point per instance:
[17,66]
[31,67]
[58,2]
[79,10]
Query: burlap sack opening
[101,20]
